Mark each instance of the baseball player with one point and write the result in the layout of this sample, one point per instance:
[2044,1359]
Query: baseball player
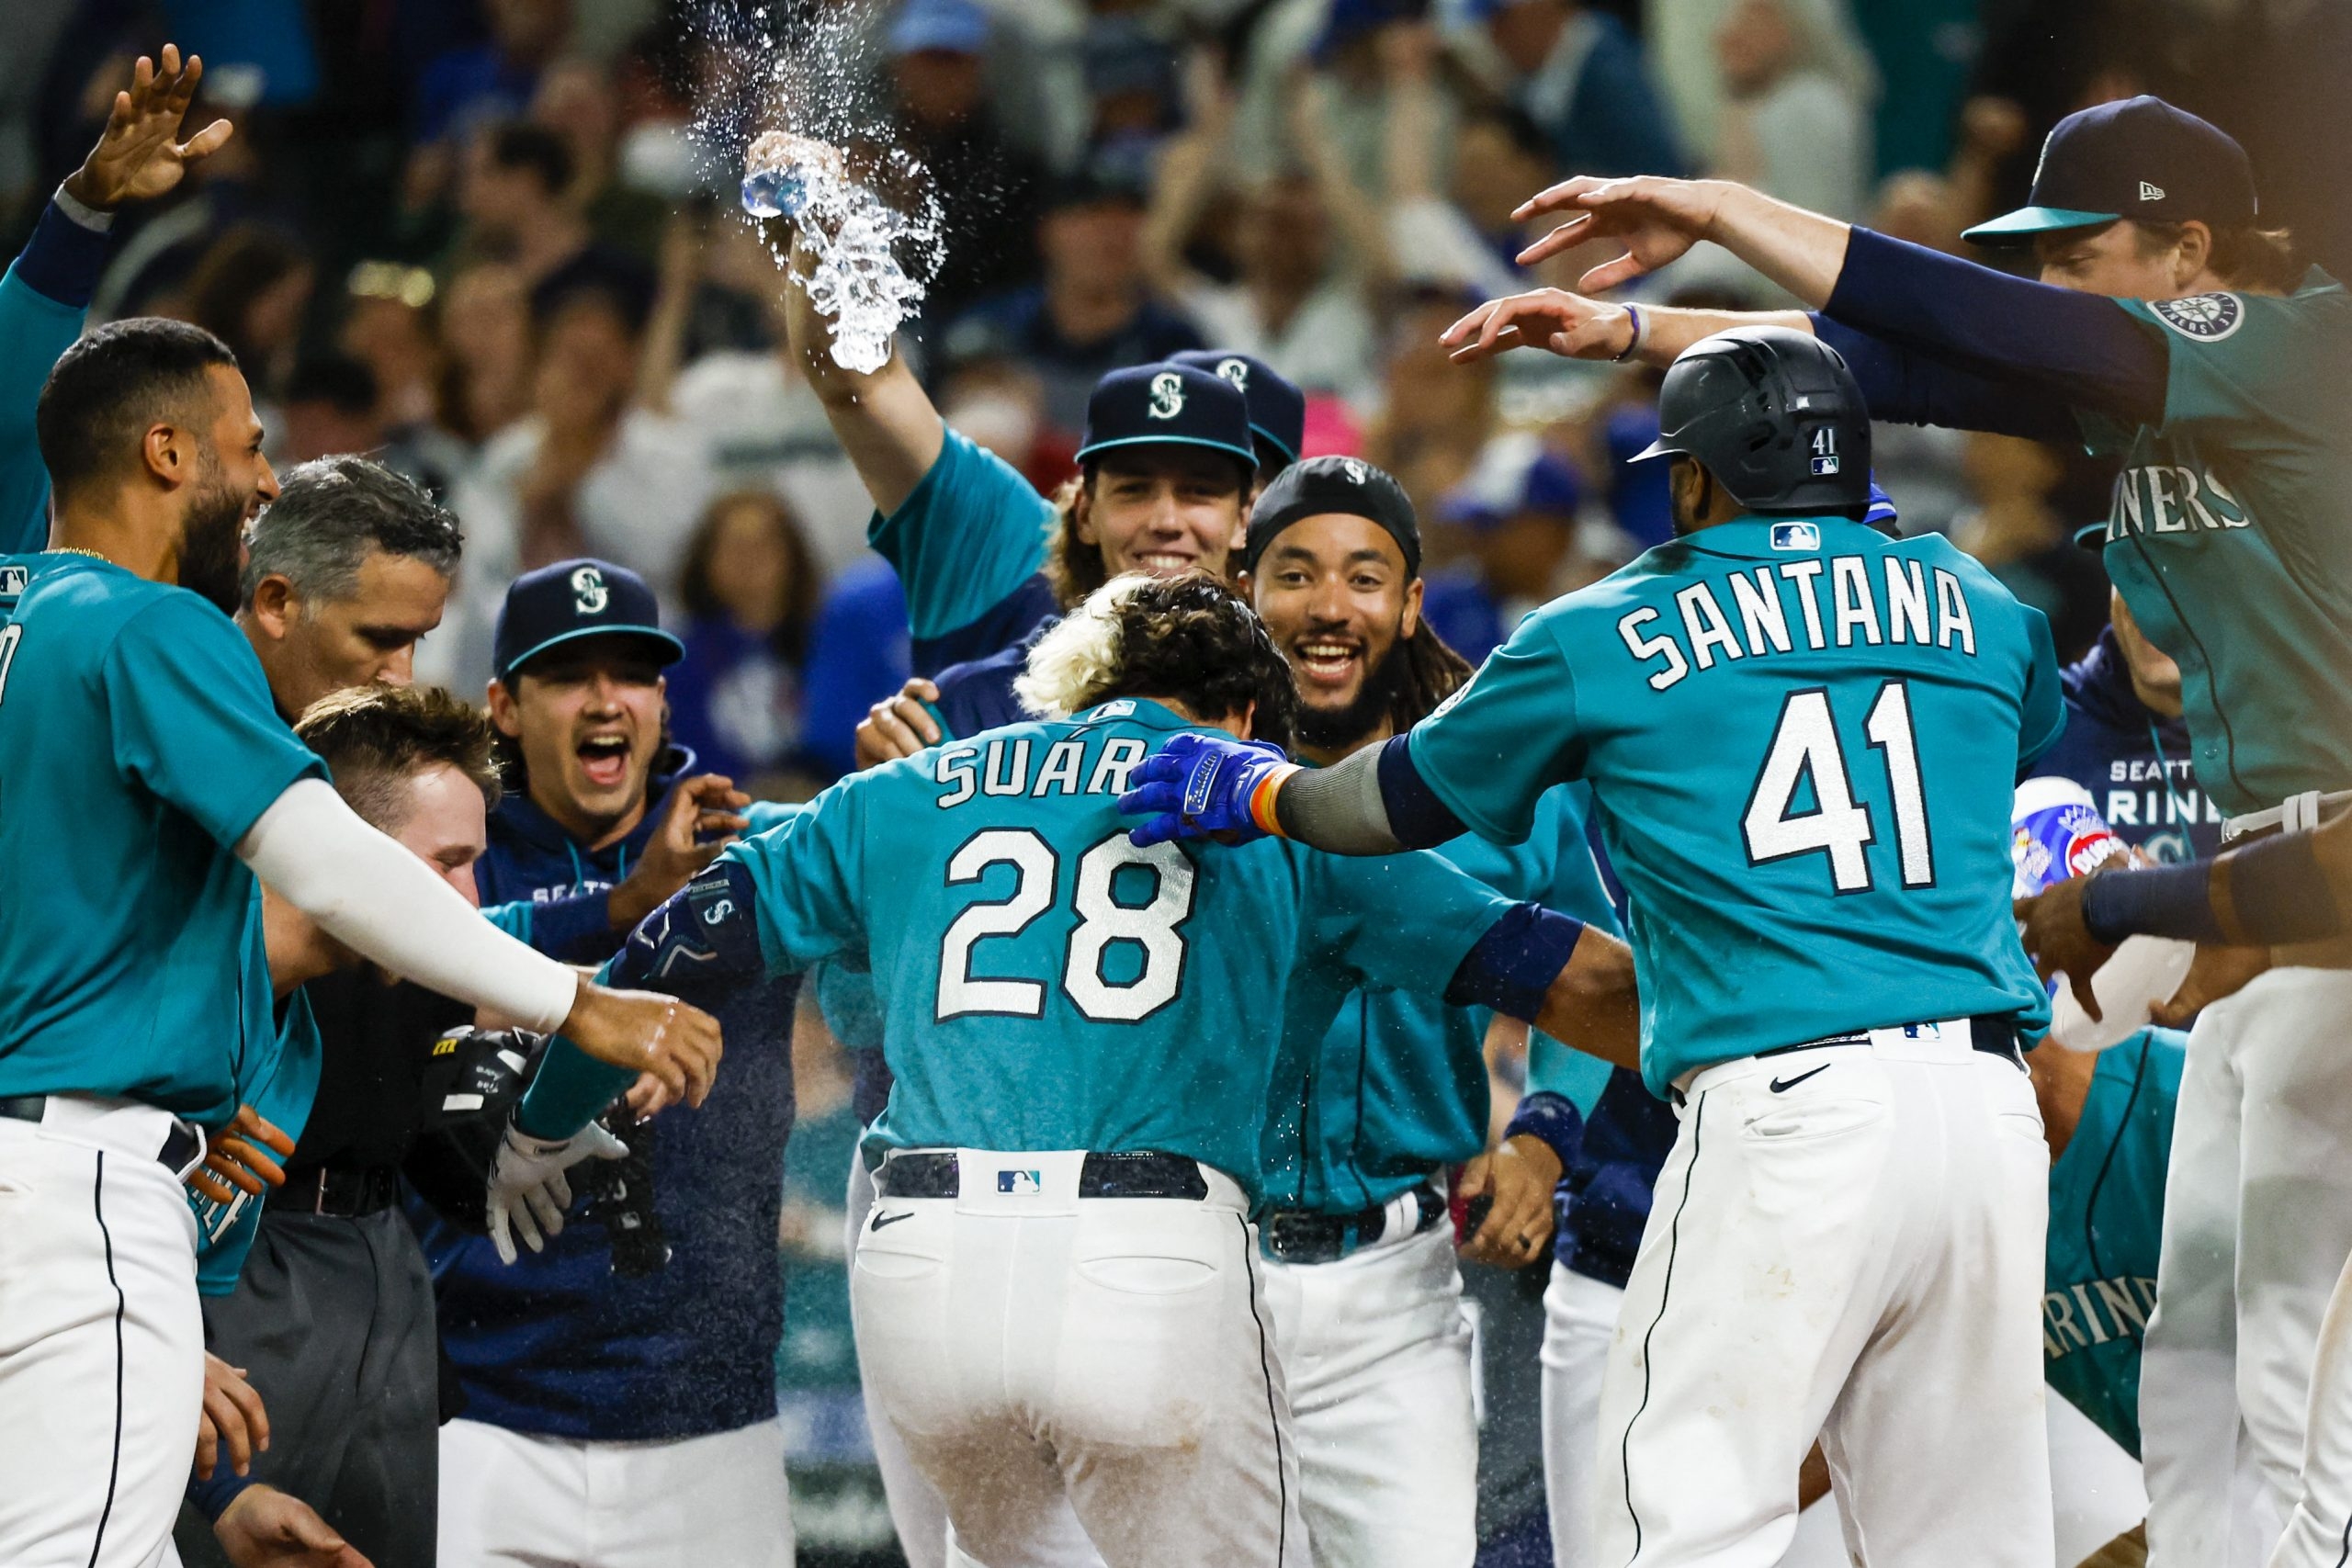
[345,1381]
[1040,1321]
[619,1381]
[1801,738]
[134,725]
[2171,329]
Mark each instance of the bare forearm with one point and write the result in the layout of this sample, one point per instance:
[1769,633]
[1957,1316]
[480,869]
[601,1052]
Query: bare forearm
[1668,330]
[1802,252]
[883,419]
[1594,1005]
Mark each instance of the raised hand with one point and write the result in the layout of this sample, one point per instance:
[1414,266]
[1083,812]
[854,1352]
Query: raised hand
[1657,220]
[897,725]
[702,817]
[138,155]
[528,1190]
[1200,785]
[1566,325]
[646,1031]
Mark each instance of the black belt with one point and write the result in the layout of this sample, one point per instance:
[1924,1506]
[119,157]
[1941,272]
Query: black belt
[347,1193]
[1995,1034]
[1310,1236]
[180,1146]
[934,1173]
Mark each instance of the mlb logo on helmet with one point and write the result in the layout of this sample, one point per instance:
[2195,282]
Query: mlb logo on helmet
[1795,537]
[1019,1183]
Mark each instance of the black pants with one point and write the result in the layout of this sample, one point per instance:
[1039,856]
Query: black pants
[332,1322]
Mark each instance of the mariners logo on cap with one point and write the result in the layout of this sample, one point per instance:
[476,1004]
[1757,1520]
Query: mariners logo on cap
[2208,318]
[1236,371]
[1167,395]
[1357,472]
[588,591]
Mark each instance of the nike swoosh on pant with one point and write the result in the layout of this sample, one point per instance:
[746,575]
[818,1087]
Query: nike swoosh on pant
[1781,1085]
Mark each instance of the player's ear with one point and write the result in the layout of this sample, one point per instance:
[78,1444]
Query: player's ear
[166,454]
[1410,621]
[503,716]
[1082,511]
[274,604]
[2196,249]
[1246,729]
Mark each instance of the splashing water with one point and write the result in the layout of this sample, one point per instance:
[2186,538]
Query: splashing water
[791,68]
[857,279]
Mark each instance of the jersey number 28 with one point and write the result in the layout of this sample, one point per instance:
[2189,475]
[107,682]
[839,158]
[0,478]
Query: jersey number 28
[1103,920]
[1806,745]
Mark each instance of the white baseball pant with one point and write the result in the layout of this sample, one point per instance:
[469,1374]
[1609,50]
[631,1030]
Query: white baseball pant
[1848,1242]
[1375,1352]
[1579,1321]
[917,1512]
[101,1341]
[2257,1227]
[523,1500]
[1039,1352]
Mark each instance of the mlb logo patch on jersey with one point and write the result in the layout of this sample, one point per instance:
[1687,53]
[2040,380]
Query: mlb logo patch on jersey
[1795,537]
[13,579]
[1019,1183]
[1120,707]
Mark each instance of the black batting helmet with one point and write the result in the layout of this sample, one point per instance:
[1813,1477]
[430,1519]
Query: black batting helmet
[1775,415]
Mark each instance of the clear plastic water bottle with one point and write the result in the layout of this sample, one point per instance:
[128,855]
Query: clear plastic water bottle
[2056,832]
[776,193]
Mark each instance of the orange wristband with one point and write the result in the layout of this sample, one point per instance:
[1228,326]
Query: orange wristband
[1261,800]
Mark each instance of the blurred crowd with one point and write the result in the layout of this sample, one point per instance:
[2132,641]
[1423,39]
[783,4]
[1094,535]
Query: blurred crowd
[495,243]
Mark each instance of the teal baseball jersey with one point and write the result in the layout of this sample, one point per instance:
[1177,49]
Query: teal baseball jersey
[2106,1211]
[1802,738]
[1045,984]
[1395,1085]
[965,540]
[138,744]
[281,1088]
[2230,533]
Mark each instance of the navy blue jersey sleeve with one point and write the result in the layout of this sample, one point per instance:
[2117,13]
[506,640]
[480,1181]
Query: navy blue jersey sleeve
[43,301]
[2084,348]
[1905,388]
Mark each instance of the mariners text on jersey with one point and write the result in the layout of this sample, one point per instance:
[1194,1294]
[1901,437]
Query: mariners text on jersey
[1809,604]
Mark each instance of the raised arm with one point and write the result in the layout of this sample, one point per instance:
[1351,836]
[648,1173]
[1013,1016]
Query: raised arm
[883,420]
[1187,175]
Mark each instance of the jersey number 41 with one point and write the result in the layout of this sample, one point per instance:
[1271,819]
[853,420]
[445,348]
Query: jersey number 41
[1805,746]
[1150,926]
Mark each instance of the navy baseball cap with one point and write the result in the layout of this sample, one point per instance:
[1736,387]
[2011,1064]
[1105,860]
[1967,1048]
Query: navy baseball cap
[2138,158]
[1348,486]
[1167,404]
[1277,408]
[571,600]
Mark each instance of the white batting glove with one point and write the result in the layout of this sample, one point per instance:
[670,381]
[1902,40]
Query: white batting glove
[528,1192]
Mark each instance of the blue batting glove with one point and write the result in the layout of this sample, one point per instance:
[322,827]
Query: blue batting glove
[1200,784]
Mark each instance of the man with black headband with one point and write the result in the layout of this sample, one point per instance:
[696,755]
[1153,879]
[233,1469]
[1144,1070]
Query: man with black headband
[1361,1281]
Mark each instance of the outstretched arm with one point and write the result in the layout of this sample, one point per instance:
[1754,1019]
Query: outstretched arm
[2080,346]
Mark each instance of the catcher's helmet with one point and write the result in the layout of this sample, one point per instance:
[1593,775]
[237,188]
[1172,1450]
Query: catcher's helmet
[1775,416]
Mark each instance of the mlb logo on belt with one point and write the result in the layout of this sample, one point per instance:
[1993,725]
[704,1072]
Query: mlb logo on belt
[1795,537]
[1019,1183]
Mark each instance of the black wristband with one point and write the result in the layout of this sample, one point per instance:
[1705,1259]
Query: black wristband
[2279,894]
[2164,900]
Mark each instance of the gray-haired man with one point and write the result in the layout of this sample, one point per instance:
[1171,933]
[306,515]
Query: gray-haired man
[345,571]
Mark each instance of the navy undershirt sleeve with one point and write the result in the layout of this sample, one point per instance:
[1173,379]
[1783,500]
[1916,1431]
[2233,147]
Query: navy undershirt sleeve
[2083,348]
[1513,965]
[62,260]
[1552,1117]
[1415,815]
[1905,388]
[576,927]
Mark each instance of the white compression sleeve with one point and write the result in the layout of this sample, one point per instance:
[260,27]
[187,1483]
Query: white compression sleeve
[373,895]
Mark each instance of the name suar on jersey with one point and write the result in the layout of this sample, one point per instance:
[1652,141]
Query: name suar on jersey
[1033,766]
[1800,605]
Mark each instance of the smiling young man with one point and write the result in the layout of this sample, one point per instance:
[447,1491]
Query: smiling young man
[2169,328]
[1361,1281]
